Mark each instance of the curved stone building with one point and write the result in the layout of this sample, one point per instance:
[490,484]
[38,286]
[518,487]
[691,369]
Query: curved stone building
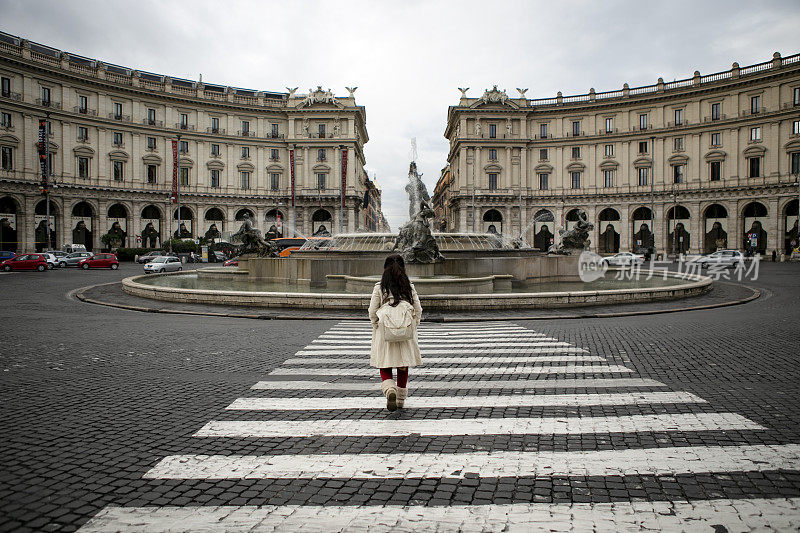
[293,161]
[709,162]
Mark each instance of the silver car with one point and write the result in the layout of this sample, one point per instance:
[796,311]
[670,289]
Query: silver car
[721,258]
[624,259]
[163,264]
[71,260]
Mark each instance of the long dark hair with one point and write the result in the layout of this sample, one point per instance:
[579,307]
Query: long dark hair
[394,281]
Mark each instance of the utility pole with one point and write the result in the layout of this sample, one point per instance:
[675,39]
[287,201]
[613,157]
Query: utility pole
[474,162]
[652,197]
[47,177]
[178,196]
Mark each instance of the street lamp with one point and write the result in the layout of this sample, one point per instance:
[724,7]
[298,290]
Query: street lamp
[652,200]
[674,217]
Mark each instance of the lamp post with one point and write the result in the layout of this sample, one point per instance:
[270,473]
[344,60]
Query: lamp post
[474,162]
[652,198]
[674,217]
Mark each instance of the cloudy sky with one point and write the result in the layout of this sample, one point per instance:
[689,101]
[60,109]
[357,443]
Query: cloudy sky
[408,57]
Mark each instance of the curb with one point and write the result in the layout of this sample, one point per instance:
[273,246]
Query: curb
[437,318]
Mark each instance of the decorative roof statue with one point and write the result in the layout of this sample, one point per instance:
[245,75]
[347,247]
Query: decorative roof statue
[495,96]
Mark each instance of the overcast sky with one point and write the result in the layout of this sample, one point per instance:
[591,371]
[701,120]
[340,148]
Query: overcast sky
[408,57]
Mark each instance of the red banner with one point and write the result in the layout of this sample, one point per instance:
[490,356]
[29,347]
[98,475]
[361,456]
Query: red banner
[291,167]
[174,172]
[344,174]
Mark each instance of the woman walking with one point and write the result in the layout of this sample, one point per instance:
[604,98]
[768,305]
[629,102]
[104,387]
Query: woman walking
[395,313]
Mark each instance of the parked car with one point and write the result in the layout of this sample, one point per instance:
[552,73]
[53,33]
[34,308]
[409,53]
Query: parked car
[723,258]
[219,256]
[149,256]
[72,260]
[6,255]
[72,248]
[624,259]
[58,253]
[106,260]
[25,262]
[232,262]
[163,264]
[52,261]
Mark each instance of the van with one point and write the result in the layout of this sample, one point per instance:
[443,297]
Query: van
[71,248]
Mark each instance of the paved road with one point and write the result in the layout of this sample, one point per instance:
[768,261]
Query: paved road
[149,421]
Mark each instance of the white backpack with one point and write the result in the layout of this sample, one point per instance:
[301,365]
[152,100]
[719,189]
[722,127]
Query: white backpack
[396,322]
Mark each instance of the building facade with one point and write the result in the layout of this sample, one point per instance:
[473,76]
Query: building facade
[289,160]
[708,162]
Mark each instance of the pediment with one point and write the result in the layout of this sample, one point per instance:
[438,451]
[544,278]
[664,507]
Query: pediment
[678,159]
[321,167]
[245,167]
[642,162]
[492,167]
[118,155]
[756,150]
[543,168]
[274,168]
[494,97]
[792,146]
[715,155]
[215,164]
[83,151]
[9,140]
[186,162]
[151,159]
[609,165]
[576,167]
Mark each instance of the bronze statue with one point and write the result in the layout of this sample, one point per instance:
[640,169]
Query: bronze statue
[149,236]
[251,240]
[213,232]
[415,241]
[576,239]
[182,232]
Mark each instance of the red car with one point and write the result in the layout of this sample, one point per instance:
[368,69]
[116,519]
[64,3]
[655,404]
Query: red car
[233,262]
[100,261]
[25,262]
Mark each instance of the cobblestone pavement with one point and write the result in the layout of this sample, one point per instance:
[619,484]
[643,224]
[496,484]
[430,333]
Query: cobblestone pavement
[116,420]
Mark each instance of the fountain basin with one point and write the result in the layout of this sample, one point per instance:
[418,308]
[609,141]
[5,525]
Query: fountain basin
[427,285]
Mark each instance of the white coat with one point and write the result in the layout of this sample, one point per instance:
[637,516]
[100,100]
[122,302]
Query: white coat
[393,354]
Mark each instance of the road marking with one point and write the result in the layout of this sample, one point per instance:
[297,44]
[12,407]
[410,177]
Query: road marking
[521,384]
[364,351]
[439,344]
[459,371]
[446,402]
[453,360]
[434,338]
[627,462]
[478,426]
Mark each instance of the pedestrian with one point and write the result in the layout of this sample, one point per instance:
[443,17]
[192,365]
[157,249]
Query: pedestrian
[395,313]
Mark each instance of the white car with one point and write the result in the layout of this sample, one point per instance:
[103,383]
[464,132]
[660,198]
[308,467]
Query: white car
[52,261]
[624,259]
[724,258]
[163,264]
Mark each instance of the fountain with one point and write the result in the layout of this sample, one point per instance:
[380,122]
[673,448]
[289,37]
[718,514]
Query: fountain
[451,271]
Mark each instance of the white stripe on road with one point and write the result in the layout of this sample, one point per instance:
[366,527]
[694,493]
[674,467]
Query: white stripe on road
[359,350]
[517,384]
[446,402]
[454,360]
[774,514]
[626,462]
[478,426]
[344,339]
[459,371]
[449,348]
[356,343]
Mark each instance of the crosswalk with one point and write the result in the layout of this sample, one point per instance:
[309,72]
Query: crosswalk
[492,380]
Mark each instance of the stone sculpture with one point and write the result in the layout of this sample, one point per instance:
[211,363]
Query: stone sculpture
[575,240]
[251,240]
[415,242]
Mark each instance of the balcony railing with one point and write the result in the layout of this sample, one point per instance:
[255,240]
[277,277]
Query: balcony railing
[82,139]
[123,118]
[247,133]
[274,135]
[218,131]
[149,122]
[85,111]
[48,103]
[187,127]
[12,96]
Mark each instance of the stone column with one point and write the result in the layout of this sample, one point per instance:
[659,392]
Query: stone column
[694,227]
[351,220]
[508,174]
[734,229]
[774,233]
[591,212]
[625,234]
[462,218]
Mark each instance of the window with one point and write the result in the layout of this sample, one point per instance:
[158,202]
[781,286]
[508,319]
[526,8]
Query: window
[151,173]
[184,147]
[492,154]
[576,128]
[795,94]
[320,181]
[753,167]
[679,117]
[214,125]
[245,127]
[5,120]
[716,139]
[576,180]
[275,134]
[184,121]
[642,147]
[492,131]
[245,180]
[608,178]
[215,149]
[321,130]
[83,104]
[7,159]
[755,104]
[715,170]
[543,154]
[755,134]
[275,181]
[151,143]
[83,167]
[117,111]
[643,121]
[119,170]
[245,152]
[642,175]
[321,154]
[576,152]
[677,173]
[677,144]
[492,182]
[274,155]
[543,131]
[184,176]
[794,162]
[215,178]
[45,96]
[795,127]
[609,125]
[5,84]
[117,138]
[151,117]
[83,133]
[543,182]
[715,111]
[608,150]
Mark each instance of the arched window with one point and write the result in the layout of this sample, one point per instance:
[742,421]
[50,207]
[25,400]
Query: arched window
[82,209]
[242,212]
[117,211]
[151,212]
